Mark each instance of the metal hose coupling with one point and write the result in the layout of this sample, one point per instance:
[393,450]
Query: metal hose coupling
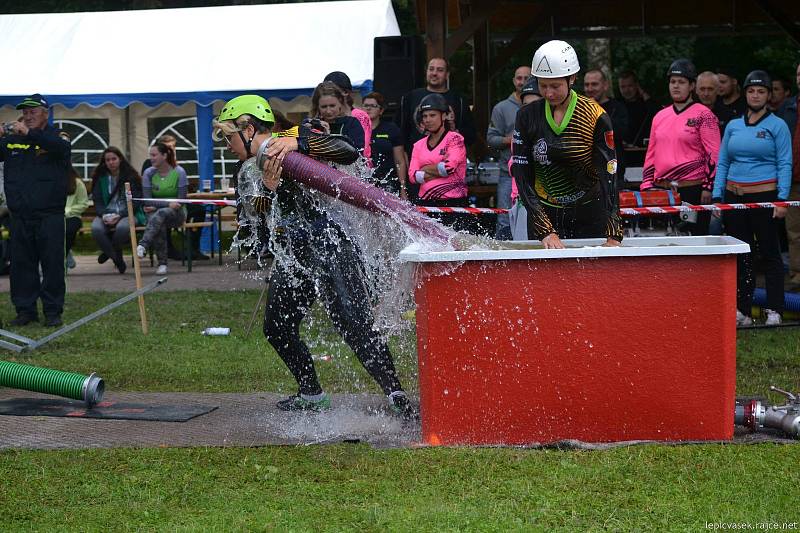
[261,155]
[755,415]
[93,389]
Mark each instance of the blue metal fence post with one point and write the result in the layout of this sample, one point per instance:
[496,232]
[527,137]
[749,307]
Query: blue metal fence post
[205,157]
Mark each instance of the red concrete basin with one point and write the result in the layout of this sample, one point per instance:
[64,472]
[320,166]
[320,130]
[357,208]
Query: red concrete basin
[596,344]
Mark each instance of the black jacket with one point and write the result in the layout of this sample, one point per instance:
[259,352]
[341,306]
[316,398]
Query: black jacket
[36,167]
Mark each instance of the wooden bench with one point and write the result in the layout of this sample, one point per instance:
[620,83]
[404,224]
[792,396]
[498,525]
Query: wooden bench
[187,255]
[187,244]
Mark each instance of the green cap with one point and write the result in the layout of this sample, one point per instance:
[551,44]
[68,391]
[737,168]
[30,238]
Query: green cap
[34,100]
[248,104]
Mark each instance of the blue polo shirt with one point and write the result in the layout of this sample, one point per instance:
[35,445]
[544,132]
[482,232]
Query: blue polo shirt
[755,153]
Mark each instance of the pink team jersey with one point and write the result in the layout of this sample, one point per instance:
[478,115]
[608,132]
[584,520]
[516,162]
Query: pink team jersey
[683,146]
[450,151]
[366,123]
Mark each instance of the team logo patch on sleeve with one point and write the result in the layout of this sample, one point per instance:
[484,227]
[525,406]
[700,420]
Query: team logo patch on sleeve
[64,135]
[611,166]
[609,136]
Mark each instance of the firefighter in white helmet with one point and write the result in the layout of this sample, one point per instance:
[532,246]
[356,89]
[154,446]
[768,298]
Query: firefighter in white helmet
[563,156]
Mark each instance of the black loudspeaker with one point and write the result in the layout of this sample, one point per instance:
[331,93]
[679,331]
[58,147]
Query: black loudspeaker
[399,66]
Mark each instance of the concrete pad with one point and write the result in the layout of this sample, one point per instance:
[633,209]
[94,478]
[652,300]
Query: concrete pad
[88,275]
[241,420]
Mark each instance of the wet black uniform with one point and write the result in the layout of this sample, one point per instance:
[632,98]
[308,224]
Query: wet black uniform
[315,258]
[566,175]
[36,168]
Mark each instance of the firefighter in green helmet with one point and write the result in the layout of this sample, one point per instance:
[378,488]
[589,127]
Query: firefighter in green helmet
[314,257]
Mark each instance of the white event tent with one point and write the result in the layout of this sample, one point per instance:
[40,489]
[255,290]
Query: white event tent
[186,57]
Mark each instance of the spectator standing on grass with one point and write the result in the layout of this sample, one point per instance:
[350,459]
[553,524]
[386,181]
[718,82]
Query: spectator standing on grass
[437,79]
[388,155]
[707,88]
[499,136]
[684,145]
[755,165]
[517,214]
[595,86]
[111,225]
[164,179]
[77,202]
[730,103]
[788,112]
[640,109]
[37,159]
[707,91]
[439,162]
[781,90]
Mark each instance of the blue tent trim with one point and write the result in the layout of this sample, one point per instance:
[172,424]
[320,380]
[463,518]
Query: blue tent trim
[202,98]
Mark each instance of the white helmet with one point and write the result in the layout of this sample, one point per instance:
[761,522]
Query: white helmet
[555,59]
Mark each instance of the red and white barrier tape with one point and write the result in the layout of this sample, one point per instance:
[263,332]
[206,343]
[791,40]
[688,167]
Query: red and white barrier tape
[624,211]
[630,211]
[470,210]
[675,209]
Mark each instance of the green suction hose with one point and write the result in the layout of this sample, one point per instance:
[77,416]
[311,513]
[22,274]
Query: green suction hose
[68,384]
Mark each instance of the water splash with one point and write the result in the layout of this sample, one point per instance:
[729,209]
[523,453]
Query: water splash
[378,237]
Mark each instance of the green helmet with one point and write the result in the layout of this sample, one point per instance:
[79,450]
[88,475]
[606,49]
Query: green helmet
[248,104]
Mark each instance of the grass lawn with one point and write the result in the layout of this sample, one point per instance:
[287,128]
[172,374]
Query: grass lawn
[353,487]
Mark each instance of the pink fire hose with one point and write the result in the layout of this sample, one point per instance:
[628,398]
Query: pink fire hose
[352,190]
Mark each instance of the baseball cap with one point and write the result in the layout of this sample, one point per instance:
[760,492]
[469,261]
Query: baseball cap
[34,100]
[341,79]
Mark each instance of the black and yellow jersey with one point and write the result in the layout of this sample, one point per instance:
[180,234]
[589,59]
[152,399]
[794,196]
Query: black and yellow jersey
[566,165]
[333,148]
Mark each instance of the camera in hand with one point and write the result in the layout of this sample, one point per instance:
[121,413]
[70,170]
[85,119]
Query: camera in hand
[314,124]
[8,128]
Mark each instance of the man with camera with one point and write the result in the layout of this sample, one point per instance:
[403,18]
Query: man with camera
[37,158]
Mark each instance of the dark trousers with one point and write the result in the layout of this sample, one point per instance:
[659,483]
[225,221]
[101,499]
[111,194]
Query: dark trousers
[73,224]
[34,242]
[756,226]
[692,195]
[585,221]
[332,260]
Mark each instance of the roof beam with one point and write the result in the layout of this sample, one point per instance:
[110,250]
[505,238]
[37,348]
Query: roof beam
[519,40]
[436,27]
[780,17]
[655,31]
[477,19]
